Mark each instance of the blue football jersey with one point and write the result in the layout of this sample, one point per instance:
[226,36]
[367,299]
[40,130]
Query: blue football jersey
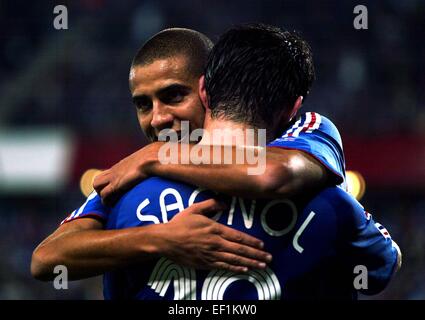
[319,137]
[92,208]
[316,243]
[311,133]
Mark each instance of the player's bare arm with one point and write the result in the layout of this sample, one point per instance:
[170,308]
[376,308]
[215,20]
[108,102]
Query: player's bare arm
[287,172]
[189,239]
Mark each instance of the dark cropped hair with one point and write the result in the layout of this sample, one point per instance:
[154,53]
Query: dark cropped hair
[169,43]
[255,71]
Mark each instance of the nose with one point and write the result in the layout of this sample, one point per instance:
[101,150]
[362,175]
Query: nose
[161,117]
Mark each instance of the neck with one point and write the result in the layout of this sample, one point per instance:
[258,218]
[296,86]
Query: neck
[227,132]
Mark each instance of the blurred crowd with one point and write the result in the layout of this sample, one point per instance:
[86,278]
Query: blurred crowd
[369,82]
[79,77]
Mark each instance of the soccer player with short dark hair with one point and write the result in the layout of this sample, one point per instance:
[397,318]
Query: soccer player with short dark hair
[316,239]
[322,133]
[175,59]
[292,168]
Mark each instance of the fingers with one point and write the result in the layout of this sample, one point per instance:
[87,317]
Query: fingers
[101,181]
[109,195]
[106,189]
[206,207]
[256,258]
[105,193]
[238,261]
[229,267]
[239,237]
[235,263]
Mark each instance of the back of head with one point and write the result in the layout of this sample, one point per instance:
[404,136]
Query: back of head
[255,72]
[173,42]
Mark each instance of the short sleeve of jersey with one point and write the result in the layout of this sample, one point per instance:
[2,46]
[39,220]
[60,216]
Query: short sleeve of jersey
[319,137]
[92,207]
[369,246]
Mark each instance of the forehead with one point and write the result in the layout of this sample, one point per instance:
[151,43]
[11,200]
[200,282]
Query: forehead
[160,73]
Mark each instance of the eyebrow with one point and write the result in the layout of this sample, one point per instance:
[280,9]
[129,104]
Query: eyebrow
[139,97]
[174,86]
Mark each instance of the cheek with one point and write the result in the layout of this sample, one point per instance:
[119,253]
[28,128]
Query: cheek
[194,112]
[145,121]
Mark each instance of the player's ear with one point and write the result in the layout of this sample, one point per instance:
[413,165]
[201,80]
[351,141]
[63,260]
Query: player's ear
[203,92]
[297,105]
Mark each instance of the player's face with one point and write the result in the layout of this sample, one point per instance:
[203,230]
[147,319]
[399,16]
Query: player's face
[165,94]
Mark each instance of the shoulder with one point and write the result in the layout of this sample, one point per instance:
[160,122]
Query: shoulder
[310,128]
[314,123]
[343,205]
[329,128]
[158,184]
[92,207]
[157,188]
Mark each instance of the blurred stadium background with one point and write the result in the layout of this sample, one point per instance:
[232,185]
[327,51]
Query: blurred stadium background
[65,107]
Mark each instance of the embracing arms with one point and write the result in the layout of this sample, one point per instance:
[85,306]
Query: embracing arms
[189,238]
[286,172]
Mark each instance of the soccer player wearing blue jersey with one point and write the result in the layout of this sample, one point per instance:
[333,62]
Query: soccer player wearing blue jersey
[165,75]
[88,250]
[175,59]
[317,239]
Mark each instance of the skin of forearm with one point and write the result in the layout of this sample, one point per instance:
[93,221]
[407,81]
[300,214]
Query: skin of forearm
[283,177]
[103,250]
[227,179]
